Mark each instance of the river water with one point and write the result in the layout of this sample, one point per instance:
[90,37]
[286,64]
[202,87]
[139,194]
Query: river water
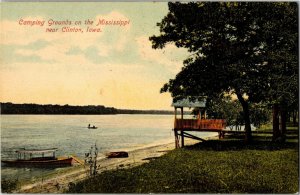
[69,133]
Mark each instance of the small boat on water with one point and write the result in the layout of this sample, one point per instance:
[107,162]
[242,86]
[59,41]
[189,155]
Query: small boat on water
[92,127]
[37,158]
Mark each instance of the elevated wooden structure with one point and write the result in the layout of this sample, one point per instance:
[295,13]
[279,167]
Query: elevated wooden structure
[199,124]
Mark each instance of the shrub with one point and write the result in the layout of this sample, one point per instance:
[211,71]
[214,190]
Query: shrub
[7,186]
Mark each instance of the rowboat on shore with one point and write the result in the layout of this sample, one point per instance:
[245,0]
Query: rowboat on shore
[120,154]
[37,158]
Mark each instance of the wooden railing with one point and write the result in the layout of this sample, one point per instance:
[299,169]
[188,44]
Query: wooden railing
[196,124]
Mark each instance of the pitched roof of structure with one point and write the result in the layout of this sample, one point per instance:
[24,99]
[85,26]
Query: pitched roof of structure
[199,102]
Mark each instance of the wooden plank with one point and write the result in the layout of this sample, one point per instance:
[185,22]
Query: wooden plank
[257,132]
[182,138]
[199,124]
[176,139]
[193,136]
[201,130]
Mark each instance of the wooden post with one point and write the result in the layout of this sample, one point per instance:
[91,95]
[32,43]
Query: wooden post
[200,113]
[182,136]
[175,117]
[181,113]
[199,118]
[176,138]
[175,131]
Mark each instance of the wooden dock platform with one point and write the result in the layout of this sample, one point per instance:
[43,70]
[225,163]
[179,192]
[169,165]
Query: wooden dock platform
[186,133]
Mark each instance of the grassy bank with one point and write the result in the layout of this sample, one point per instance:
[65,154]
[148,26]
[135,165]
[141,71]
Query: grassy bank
[214,166]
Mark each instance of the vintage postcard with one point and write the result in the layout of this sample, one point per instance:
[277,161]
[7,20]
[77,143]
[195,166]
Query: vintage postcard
[149,97]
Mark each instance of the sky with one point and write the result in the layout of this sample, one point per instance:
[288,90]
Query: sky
[116,67]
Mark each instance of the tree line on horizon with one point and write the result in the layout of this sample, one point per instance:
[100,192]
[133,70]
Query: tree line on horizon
[11,108]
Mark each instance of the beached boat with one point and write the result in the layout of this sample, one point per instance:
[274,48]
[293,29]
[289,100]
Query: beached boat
[120,154]
[38,158]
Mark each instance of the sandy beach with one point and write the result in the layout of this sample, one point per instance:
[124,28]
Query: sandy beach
[59,183]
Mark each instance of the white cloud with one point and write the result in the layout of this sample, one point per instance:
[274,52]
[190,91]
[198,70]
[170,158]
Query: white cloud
[60,43]
[68,77]
[160,56]
[115,16]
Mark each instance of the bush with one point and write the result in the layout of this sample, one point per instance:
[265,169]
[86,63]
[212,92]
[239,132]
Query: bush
[7,186]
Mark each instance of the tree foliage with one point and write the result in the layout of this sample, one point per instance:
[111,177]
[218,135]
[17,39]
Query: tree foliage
[10,108]
[230,109]
[259,114]
[226,108]
[244,48]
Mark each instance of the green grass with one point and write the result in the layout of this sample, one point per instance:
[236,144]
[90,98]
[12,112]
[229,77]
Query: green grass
[290,127]
[7,186]
[215,166]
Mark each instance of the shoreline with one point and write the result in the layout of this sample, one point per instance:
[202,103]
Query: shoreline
[59,182]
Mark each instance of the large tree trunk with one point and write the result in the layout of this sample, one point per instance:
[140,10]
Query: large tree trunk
[283,122]
[245,105]
[276,131]
[294,117]
[288,116]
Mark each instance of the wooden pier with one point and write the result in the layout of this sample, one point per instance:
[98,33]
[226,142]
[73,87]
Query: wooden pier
[184,127]
[199,124]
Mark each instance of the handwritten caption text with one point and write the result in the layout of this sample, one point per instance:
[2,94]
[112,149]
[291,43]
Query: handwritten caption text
[71,26]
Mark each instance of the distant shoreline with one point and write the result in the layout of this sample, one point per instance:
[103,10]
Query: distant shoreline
[49,109]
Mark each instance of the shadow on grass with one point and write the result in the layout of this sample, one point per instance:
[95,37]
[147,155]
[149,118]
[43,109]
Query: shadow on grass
[237,143]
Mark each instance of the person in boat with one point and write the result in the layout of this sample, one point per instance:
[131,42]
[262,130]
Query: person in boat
[94,127]
[89,126]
